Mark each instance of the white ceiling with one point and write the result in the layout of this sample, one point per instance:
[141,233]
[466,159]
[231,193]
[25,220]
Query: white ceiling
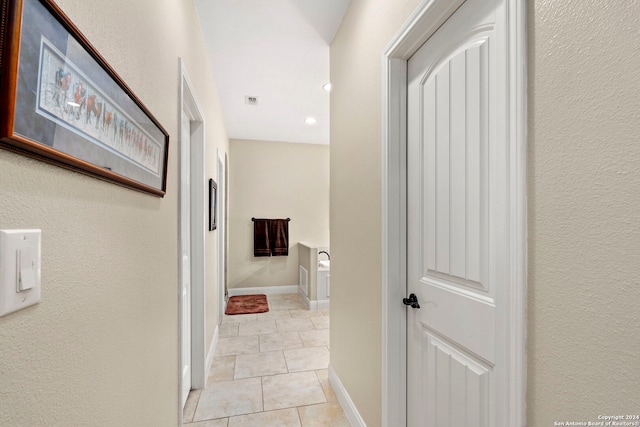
[277,50]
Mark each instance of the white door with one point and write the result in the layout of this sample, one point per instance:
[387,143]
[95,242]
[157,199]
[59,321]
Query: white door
[185,253]
[457,230]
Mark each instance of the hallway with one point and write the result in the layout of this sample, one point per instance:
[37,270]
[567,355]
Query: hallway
[270,369]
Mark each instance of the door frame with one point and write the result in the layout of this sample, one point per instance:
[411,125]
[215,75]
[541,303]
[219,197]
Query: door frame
[188,102]
[424,21]
[222,231]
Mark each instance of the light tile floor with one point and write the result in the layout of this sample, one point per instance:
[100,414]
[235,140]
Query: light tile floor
[270,369]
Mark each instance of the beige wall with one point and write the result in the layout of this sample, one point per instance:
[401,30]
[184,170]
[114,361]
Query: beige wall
[275,180]
[356,335]
[102,347]
[584,241]
[584,199]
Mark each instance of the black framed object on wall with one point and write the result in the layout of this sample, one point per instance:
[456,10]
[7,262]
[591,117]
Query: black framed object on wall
[213,194]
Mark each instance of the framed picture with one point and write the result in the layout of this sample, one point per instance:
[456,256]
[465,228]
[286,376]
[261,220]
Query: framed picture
[213,194]
[61,102]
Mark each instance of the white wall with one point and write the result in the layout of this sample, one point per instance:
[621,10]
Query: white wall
[275,180]
[584,181]
[102,347]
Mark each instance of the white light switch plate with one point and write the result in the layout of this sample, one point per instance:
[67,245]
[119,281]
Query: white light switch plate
[19,269]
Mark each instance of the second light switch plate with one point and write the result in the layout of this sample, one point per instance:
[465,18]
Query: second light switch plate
[20,271]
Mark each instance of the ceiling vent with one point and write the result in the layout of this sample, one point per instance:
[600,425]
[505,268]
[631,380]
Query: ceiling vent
[251,100]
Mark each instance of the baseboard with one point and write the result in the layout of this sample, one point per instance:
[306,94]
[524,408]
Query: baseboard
[310,304]
[345,400]
[267,290]
[210,354]
[313,305]
[302,293]
[323,304]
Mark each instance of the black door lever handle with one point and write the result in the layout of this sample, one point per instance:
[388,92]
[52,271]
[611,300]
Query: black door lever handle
[412,301]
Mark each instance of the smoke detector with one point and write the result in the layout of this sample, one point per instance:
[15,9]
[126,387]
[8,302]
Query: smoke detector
[251,100]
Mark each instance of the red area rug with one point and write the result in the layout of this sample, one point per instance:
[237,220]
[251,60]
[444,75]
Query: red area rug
[247,304]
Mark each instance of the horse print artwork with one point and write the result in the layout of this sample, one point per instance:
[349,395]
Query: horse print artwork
[70,98]
[62,103]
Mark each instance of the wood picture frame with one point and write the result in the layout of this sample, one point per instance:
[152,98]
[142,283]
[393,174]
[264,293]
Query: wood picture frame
[61,102]
[213,198]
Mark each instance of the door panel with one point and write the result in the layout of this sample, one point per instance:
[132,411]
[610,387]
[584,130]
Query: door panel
[456,210]
[455,156]
[458,394]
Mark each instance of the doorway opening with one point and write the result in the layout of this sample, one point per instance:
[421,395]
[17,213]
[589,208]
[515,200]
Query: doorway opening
[191,292]
[420,26]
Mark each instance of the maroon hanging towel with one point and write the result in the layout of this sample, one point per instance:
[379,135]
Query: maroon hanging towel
[279,236]
[261,244]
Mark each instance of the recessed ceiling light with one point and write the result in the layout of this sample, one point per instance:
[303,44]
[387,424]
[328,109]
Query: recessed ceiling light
[327,87]
[310,120]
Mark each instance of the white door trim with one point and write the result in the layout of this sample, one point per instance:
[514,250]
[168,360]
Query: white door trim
[222,215]
[426,19]
[189,103]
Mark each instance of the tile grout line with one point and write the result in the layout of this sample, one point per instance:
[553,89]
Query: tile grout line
[299,415]
[262,391]
[326,398]
[235,363]
[286,362]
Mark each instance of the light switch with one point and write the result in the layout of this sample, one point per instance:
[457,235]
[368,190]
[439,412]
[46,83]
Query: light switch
[19,269]
[26,270]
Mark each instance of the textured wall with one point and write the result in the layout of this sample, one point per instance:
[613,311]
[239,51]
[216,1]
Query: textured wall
[584,199]
[275,180]
[102,346]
